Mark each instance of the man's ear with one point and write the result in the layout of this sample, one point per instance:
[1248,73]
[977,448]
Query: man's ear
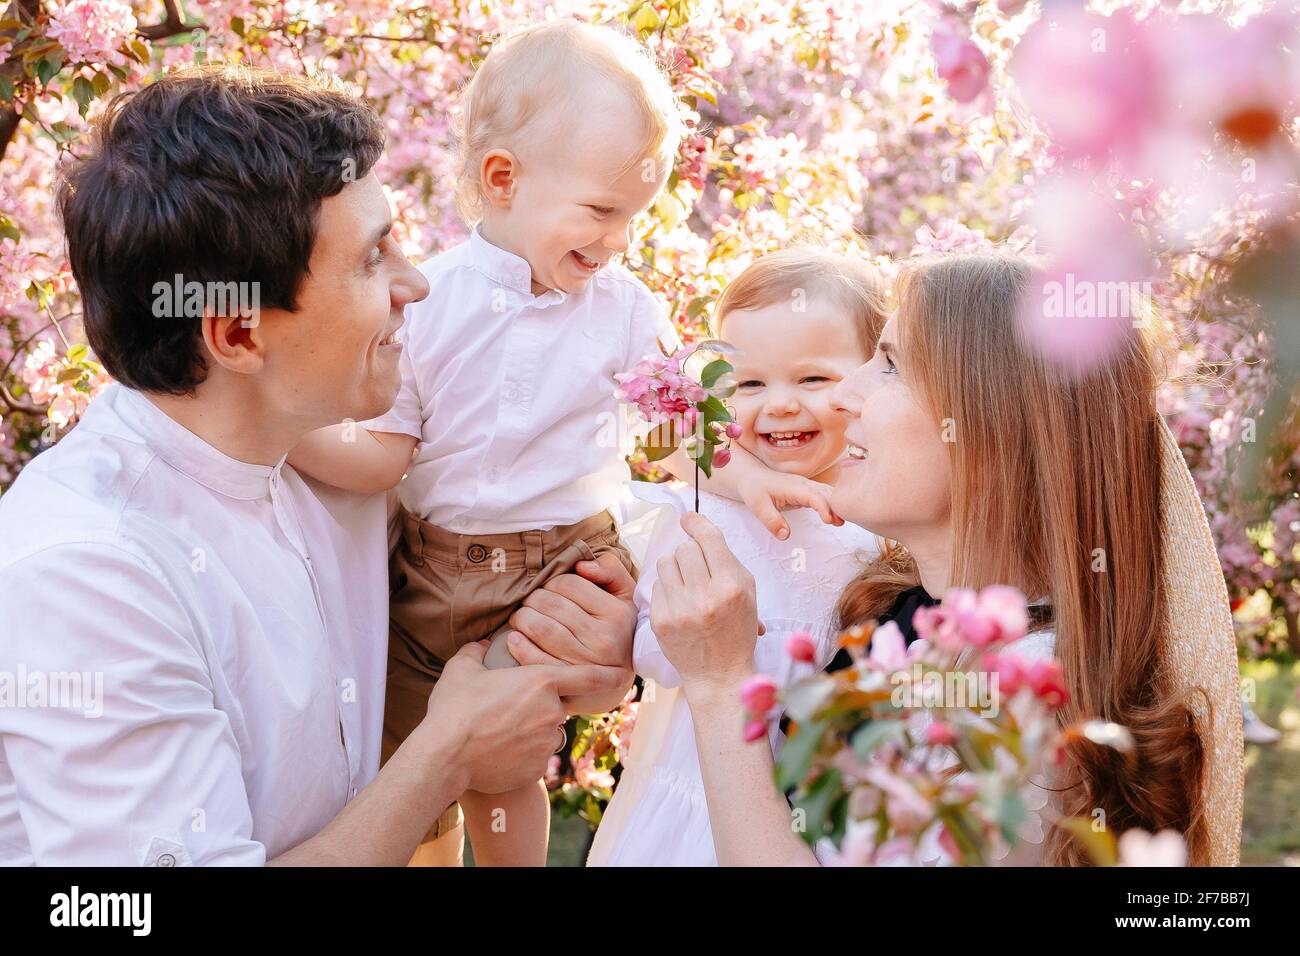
[235,342]
[497,177]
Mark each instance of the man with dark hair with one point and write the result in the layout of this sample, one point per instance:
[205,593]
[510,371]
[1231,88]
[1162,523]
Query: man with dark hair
[194,636]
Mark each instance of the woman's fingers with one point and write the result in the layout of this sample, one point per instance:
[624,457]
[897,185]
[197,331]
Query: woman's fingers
[690,563]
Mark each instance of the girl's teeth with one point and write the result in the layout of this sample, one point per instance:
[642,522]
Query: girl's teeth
[789,439]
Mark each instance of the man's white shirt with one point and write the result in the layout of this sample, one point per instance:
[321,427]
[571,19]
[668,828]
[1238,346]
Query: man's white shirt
[234,617]
[511,394]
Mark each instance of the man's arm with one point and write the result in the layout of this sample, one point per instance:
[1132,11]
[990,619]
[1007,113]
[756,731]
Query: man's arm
[486,730]
[139,758]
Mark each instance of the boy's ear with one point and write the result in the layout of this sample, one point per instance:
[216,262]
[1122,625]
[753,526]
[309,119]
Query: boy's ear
[234,342]
[497,176]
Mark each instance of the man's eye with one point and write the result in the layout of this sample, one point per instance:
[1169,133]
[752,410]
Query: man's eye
[375,257]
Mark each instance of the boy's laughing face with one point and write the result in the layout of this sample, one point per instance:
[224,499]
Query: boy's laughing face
[566,203]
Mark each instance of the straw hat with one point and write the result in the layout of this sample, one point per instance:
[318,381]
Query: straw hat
[1201,650]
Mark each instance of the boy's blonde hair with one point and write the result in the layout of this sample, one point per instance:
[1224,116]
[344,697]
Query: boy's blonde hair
[533,79]
[806,272]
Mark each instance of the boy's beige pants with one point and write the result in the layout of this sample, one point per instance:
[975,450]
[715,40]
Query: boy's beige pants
[449,589]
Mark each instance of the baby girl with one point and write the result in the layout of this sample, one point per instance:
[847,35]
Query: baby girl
[801,321]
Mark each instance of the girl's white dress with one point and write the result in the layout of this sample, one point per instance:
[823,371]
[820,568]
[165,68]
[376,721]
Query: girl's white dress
[659,816]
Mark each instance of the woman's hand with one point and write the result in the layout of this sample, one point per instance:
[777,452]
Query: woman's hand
[703,609]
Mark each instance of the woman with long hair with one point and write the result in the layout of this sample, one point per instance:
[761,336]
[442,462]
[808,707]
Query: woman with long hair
[986,464]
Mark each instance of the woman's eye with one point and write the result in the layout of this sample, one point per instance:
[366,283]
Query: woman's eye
[890,367]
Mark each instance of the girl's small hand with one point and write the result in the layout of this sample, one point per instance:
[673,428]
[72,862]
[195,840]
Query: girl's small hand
[767,493]
[703,608]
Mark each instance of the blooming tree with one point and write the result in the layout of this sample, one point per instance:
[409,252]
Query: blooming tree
[887,126]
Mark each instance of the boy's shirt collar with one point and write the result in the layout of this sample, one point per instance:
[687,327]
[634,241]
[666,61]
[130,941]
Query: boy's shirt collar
[507,269]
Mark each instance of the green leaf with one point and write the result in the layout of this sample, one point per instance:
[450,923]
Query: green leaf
[48,68]
[7,228]
[798,753]
[237,25]
[1100,847]
[83,92]
[78,352]
[818,802]
[868,738]
[6,89]
[715,370]
[101,83]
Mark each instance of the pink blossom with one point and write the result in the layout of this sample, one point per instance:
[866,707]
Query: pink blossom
[800,647]
[1140,848]
[940,733]
[888,648]
[961,64]
[721,456]
[92,30]
[1047,681]
[758,694]
[755,730]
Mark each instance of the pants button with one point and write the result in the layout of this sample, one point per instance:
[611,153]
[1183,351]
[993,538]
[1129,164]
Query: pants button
[476,553]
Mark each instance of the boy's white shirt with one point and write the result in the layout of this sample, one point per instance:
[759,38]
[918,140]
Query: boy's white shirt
[511,395]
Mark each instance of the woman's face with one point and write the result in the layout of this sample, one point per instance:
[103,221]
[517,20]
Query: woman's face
[895,479]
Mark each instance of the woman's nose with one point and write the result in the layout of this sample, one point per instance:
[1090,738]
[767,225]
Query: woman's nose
[846,396]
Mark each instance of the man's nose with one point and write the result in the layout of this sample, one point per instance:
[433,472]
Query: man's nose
[409,286]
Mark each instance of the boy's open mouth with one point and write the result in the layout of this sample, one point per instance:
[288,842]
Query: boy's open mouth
[788,439]
[587,265]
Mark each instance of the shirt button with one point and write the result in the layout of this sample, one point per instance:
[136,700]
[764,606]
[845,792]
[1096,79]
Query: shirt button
[476,553]
[166,859]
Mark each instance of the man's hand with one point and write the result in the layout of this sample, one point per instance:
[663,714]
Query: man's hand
[583,618]
[504,725]
[767,493]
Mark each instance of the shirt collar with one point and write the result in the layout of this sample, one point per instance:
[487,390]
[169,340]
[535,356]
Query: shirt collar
[191,455]
[505,268]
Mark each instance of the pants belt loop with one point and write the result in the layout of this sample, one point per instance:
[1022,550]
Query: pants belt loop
[533,551]
[414,539]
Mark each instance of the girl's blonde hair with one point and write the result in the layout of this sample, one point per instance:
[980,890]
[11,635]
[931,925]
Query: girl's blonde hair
[536,78]
[803,273]
[1049,472]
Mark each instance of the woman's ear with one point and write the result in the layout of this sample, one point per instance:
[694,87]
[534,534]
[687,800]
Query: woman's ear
[497,177]
[235,342]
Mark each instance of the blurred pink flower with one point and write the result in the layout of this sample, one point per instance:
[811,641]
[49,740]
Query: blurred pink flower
[961,64]
[1140,848]
[800,647]
[758,694]
[754,730]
